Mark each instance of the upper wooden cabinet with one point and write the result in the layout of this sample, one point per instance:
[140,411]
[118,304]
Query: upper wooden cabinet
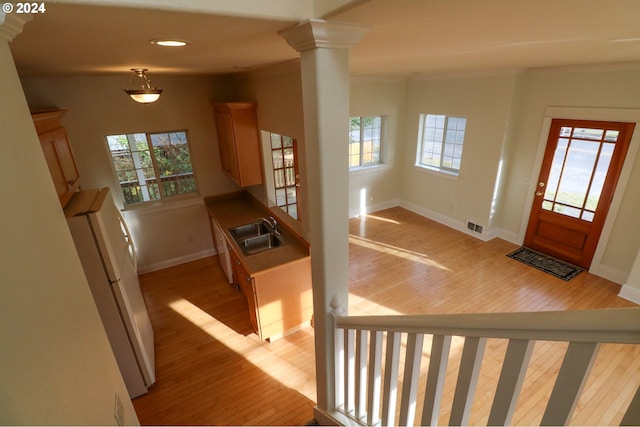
[57,151]
[238,137]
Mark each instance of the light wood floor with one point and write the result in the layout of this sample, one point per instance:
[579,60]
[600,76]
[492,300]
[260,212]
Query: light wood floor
[211,370]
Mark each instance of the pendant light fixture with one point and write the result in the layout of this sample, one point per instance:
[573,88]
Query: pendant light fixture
[146,94]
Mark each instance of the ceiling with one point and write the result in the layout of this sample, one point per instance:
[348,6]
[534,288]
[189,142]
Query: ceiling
[405,38]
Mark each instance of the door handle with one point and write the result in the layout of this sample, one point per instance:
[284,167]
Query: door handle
[539,193]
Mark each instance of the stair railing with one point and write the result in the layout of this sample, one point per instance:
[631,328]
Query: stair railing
[366,383]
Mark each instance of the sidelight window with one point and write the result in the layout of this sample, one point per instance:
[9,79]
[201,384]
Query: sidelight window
[152,166]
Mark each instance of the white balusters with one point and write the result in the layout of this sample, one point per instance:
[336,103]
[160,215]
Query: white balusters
[367,380]
[375,378]
[410,381]
[361,373]
[571,378]
[349,372]
[435,379]
[514,368]
[467,380]
[389,398]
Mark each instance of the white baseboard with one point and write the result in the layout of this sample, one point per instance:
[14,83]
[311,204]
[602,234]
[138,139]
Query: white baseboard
[630,293]
[176,261]
[448,221]
[509,236]
[376,207]
[609,273]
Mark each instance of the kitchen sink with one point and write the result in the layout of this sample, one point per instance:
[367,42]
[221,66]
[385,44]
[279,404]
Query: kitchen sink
[262,242]
[256,237]
[245,231]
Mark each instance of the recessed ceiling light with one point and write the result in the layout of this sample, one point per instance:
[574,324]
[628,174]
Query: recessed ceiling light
[169,42]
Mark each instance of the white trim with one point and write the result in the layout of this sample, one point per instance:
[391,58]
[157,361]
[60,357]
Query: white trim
[583,113]
[509,236]
[448,221]
[609,273]
[353,213]
[362,170]
[327,418]
[630,293]
[177,261]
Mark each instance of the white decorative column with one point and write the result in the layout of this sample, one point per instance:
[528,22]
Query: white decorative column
[324,58]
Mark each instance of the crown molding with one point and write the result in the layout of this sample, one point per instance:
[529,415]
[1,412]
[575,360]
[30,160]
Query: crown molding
[318,33]
[11,24]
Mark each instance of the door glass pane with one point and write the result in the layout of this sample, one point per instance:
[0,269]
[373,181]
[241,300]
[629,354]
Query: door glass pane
[566,210]
[600,175]
[576,175]
[277,159]
[556,168]
[611,135]
[278,177]
[276,141]
[281,197]
[587,133]
[588,216]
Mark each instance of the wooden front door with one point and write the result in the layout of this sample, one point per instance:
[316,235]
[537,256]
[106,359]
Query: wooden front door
[579,173]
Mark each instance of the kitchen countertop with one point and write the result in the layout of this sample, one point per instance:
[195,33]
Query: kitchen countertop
[238,209]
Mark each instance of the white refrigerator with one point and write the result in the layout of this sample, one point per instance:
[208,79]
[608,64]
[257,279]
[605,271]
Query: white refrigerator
[108,257]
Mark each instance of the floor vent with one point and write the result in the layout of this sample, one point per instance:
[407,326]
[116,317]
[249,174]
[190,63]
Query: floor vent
[474,227]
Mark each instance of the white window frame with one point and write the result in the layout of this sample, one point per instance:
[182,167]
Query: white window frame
[381,137]
[142,180]
[447,142]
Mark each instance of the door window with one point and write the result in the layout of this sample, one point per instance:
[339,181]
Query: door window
[578,171]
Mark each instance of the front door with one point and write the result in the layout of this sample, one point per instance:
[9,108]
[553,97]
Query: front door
[579,173]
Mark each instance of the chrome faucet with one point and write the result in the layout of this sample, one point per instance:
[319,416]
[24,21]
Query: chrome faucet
[272,224]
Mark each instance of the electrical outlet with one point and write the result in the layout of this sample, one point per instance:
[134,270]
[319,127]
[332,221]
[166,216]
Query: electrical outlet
[118,411]
[478,228]
[471,226]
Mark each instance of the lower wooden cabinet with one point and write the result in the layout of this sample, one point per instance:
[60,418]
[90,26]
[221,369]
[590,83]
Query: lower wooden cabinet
[280,298]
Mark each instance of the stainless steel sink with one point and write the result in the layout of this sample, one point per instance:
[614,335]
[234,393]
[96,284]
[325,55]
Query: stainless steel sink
[245,231]
[255,237]
[263,242]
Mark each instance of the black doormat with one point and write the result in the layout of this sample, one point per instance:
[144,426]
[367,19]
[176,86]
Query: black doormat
[546,263]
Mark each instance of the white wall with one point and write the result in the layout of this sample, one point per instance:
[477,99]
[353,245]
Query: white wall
[56,365]
[97,107]
[486,103]
[379,188]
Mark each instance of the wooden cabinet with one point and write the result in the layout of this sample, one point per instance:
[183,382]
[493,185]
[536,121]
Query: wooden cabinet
[278,292]
[283,298]
[279,299]
[244,281]
[58,153]
[238,138]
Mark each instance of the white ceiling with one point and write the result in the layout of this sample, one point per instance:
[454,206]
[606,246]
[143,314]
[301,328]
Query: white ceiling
[406,37]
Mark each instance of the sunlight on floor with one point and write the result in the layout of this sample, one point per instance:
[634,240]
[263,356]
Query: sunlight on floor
[395,250]
[252,350]
[379,218]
